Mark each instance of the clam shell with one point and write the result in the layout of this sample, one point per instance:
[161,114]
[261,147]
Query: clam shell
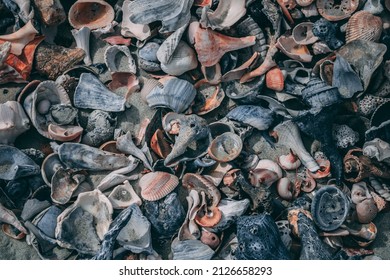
[364,26]
[330,208]
[91,93]
[13,121]
[225,15]
[156,185]
[255,116]
[90,13]
[111,54]
[122,196]
[225,147]
[15,164]
[175,94]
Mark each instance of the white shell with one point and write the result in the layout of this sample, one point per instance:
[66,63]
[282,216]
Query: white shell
[182,60]
[111,53]
[25,7]
[20,38]
[123,196]
[227,13]
[81,37]
[130,29]
[13,122]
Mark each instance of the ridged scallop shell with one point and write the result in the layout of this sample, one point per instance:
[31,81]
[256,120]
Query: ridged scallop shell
[274,79]
[90,13]
[173,93]
[156,185]
[364,26]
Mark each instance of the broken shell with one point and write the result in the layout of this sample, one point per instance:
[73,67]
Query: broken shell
[190,250]
[130,29]
[293,50]
[274,79]
[210,239]
[91,93]
[225,147]
[110,56]
[159,144]
[156,185]
[81,37]
[304,3]
[373,6]
[63,184]
[208,217]
[326,31]
[231,210]
[168,47]
[345,78]
[50,166]
[8,73]
[303,34]
[8,217]
[20,38]
[100,128]
[269,165]
[324,170]
[122,196]
[90,13]
[364,26]
[117,40]
[285,188]
[366,211]
[13,122]
[377,148]
[201,184]
[336,10]
[183,59]
[320,48]
[173,93]
[319,94]
[211,96]
[15,164]
[225,15]
[51,11]
[64,133]
[262,177]
[255,116]
[330,208]
[290,161]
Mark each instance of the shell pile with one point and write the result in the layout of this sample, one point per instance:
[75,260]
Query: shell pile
[223,129]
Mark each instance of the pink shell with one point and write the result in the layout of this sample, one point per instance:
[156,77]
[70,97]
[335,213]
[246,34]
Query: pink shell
[364,26]
[156,185]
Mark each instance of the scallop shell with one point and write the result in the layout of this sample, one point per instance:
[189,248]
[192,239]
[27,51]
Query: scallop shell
[90,13]
[111,54]
[274,79]
[333,10]
[225,15]
[364,26]
[225,147]
[330,208]
[175,93]
[13,122]
[156,185]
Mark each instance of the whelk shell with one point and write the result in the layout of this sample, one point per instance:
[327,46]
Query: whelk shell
[365,26]
[156,185]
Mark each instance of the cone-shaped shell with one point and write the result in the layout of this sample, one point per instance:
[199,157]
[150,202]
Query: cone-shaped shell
[156,185]
[90,13]
[365,26]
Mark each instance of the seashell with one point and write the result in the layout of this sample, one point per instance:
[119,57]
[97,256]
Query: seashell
[225,15]
[288,135]
[91,209]
[20,38]
[274,79]
[50,166]
[210,239]
[324,169]
[336,10]
[51,12]
[377,148]
[269,165]
[147,56]
[304,3]
[225,147]
[366,211]
[182,60]
[168,47]
[364,26]
[238,72]
[46,222]
[90,13]
[255,116]
[365,65]
[369,103]
[217,172]
[13,122]
[64,133]
[303,34]
[330,208]
[212,74]
[326,31]
[10,231]
[81,37]
[124,79]
[32,207]
[379,124]
[25,11]
[166,215]
[80,156]
[245,93]
[381,189]
[380,202]
[156,185]
[208,217]
[249,27]
[52,60]
[217,128]
[201,184]
[122,196]
[192,141]
[8,217]
[100,128]
[159,144]
[63,184]
[290,161]
[190,250]
[136,235]
[111,54]
[373,6]
[318,94]
[293,50]
[360,192]
[345,78]
[116,177]
[285,189]
[344,136]
[105,30]
[117,40]
[8,73]
[202,3]
[174,93]
[262,177]
[129,29]
[259,239]
[91,93]
[210,96]
[211,45]
[363,234]
[15,164]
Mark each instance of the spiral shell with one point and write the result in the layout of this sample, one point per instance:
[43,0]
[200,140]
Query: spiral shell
[156,185]
[364,26]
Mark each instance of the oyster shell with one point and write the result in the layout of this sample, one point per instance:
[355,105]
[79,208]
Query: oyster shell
[13,122]
[15,164]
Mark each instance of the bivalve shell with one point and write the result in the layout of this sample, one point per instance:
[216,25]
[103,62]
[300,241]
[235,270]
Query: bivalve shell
[364,26]
[156,185]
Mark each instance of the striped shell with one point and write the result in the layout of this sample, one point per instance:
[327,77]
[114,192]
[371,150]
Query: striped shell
[156,185]
[274,79]
[364,26]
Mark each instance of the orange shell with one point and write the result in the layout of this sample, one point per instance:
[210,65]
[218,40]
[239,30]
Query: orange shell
[159,145]
[274,79]
[209,219]
[156,185]
[9,231]
[364,26]
[324,170]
